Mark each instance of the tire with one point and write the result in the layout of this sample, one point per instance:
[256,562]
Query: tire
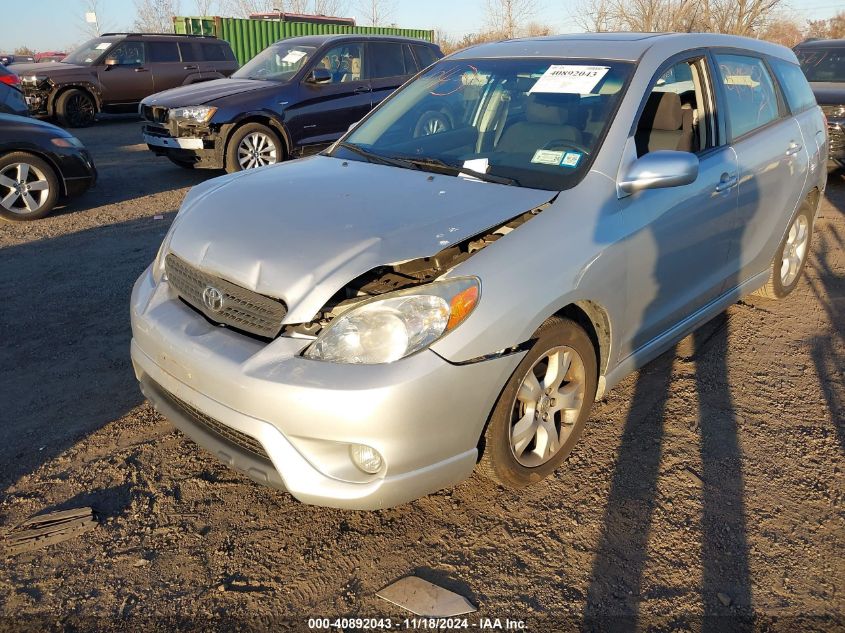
[184,164]
[500,446]
[432,122]
[796,246]
[75,108]
[268,148]
[42,182]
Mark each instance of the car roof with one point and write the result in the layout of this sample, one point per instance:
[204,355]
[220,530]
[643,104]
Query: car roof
[618,46]
[319,40]
[822,44]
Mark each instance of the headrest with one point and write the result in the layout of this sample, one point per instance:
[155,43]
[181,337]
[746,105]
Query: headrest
[662,112]
[549,109]
[355,65]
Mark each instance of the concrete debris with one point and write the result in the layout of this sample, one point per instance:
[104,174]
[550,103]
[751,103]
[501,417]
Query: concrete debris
[421,597]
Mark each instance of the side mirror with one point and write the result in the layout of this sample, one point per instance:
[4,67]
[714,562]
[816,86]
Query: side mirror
[320,76]
[111,61]
[663,168]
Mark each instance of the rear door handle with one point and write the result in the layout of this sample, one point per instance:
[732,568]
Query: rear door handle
[794,148]
[190,67]
[142,70]
[361,89]
[728,181]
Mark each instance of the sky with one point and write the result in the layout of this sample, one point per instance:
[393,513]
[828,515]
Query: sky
[57,24]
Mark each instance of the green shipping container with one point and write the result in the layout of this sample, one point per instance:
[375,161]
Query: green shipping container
[250,37]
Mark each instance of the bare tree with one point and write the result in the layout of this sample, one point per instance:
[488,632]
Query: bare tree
[376,12]
[244,8]
[155,16]
[96,28]
[832,28]
[206,7]
[330,7]
[509,17]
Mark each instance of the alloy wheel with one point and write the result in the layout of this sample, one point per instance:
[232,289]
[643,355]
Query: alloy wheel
[548,403]
[794,250]
[24,188]
[80,110]
[257,150]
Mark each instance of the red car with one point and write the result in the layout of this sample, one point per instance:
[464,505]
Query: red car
[50,56]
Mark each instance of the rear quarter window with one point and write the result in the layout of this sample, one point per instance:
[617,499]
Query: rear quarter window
[425,55]
[215,52]
[798,93]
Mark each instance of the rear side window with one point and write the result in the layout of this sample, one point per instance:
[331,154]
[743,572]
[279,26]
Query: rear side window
[163,51]
[189,52]
[214,52]
[386,60]
[749,91]
[798,93]
[425,55]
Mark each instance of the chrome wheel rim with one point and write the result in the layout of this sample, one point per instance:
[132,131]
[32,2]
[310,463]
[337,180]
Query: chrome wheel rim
[257,150]
[547,405]
[795,250]
[24,188]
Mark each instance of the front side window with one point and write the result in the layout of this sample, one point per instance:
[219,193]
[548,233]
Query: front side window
[277,62]
[751,101]
[89,52]
[823,65]
[798,93]
[345,63]
[526,122]
[128,54]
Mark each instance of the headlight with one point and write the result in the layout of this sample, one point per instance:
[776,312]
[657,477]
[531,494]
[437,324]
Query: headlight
[197,114]
[396,325]
[158,262]
[33,79]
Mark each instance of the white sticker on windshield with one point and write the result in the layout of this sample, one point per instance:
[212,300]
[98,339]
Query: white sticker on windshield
[293,56]
[103,46]
[547,157]
[476,164]
[569,79]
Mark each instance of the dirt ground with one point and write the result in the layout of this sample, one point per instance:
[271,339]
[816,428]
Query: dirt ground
[706,494]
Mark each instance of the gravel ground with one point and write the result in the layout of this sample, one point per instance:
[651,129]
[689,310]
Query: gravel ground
[706,493]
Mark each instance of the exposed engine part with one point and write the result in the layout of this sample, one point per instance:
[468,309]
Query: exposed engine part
[415,272]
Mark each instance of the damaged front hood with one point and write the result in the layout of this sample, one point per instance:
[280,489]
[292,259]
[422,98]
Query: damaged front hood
[206,92]
[300,231]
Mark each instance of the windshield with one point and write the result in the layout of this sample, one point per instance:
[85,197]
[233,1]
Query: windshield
[278,62]
[89,52]
[527,122]
[823,64]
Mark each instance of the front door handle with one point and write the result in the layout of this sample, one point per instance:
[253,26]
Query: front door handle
[794,148]
[361,89]
[728,181]
[142,70]
[190,67]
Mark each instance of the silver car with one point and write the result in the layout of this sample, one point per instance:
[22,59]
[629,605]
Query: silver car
[455,281]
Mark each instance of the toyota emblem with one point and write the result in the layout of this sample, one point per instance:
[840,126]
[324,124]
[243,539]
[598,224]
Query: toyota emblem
[212,298]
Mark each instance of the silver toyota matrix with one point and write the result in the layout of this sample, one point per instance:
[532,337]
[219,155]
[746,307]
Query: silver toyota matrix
[454,282]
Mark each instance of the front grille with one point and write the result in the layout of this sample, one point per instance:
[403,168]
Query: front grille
[156,114]
[237,307]
[222,431]
[837,139]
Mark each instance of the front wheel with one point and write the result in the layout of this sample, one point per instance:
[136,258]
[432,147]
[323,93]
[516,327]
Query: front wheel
[75,108]
[542,410]
[253,145]
[791,256]
[29,187]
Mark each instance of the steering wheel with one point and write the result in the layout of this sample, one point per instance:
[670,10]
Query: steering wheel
[560,143]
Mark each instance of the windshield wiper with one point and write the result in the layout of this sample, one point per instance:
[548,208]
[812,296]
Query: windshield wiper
[456,170]
[376,158]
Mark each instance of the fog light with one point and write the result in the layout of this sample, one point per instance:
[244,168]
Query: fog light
[366,458]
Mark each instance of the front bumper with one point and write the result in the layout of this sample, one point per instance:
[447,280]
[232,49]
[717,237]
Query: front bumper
[423,414]
[199,145]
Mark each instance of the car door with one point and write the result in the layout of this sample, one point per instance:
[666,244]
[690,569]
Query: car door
[130,80]
[679,238]
[389,65]
[325,111]
[166,65]
[772,157]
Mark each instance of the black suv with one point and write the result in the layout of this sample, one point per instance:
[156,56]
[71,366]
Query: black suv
[823,62]
[114,72]
[295,97]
